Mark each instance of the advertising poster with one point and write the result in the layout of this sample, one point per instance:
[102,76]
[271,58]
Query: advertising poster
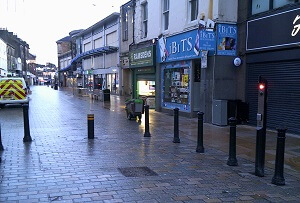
[226,39]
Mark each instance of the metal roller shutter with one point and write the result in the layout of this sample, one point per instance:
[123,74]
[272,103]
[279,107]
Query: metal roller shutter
[283,93]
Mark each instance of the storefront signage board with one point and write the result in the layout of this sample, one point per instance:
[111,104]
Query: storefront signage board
[226,39]
[142,57]
[185,46]
[274,31]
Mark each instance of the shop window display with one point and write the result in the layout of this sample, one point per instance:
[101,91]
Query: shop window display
[176,85]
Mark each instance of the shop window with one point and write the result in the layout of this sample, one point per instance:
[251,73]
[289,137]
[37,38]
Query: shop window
[176,85]
[146,88]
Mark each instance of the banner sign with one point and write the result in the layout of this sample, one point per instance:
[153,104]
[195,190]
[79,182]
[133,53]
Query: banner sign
[185,46]
[227,39]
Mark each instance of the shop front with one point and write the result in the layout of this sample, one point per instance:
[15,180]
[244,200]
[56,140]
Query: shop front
[273,53]
[180,60]
[142,63]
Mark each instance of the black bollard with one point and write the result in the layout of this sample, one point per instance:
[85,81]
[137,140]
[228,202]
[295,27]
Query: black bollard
[27,137]
[200,148]
[278,178]
[232,161]
[1,146]
[147,132]
[176,126]
[90,118]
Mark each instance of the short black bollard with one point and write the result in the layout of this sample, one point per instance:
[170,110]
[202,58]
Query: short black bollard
[90,118]
[200,148]
[176,126]
[1,146]
[232,161]
[278,178]
[27,137]
[147,132]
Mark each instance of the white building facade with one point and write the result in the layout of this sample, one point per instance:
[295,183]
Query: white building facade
[3,58]
[98,57]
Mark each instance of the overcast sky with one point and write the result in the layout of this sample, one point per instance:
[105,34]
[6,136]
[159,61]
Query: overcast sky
[42,22]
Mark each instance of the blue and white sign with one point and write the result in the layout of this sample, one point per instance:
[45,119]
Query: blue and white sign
[185,46]
[227,39]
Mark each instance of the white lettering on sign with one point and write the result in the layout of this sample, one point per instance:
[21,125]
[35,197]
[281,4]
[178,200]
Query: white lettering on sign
[142,55]
[296,27]
[228,30]
[182,46]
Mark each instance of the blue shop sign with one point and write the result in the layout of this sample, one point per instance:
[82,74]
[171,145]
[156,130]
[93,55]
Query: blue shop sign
[227,39]
[185,46]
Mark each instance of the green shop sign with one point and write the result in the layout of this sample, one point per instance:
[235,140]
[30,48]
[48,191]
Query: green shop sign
[141,57]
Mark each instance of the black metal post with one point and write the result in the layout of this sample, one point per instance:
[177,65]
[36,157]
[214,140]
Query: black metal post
[27,137]
[90,118]
[260,152]
[200,148]
[278,178]
[1,146]
[232,161]
[147,132]
[176,126]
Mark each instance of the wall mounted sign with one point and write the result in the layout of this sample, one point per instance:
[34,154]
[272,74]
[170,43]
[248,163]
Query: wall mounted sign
[274,31]
[142,57]
[227,39]
[185,46]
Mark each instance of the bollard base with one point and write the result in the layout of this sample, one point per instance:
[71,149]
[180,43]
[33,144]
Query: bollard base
[278,181]
[232,162]
[176,140]
[27,139]
[147,134]
[200,149]
[259,173]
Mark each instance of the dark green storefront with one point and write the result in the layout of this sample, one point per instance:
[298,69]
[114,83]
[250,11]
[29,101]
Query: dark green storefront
[142,64]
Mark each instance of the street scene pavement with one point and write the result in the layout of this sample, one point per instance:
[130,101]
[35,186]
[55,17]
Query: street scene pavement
[121,165]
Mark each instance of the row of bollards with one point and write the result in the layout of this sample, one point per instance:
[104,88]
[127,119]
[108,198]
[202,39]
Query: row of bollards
[278,178]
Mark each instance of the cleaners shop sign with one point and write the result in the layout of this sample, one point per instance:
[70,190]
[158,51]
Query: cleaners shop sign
[141,57]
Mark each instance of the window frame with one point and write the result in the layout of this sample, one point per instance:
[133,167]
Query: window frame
[125,25]
[190,9]
[271,7]
[144,19]
[166,14]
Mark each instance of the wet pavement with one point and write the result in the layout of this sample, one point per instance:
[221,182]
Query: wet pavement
[120,165]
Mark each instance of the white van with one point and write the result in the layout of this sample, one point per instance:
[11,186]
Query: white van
[13,91]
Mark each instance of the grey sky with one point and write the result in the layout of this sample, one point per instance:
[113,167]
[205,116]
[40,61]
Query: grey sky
[42,22]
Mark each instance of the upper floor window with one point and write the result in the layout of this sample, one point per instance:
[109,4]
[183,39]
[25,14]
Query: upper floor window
[125,24]
[145,19]
[193,9]
[166,4]
[259,6]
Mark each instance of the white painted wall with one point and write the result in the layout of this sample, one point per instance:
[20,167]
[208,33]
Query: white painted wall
[179,20]
[3,58]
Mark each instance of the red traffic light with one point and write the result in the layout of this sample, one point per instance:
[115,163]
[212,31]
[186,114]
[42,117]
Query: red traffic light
[261,86]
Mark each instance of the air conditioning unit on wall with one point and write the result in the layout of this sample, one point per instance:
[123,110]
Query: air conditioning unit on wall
[219,112]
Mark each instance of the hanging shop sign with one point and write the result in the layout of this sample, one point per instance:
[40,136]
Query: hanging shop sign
[274,31]
[142,57]
[185,46]
[227,39]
